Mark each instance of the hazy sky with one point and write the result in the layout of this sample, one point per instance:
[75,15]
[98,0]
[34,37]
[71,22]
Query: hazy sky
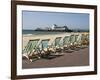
[34,19]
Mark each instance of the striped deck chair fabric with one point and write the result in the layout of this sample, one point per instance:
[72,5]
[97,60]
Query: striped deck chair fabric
[30,47]
[72,39]
[78,39]
[66,41]
[44,44]
[57,42]
[43,48]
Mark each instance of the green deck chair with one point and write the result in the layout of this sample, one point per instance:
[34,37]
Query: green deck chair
[57,42]
[52,47]
[83,39]
[80,40]
[72,41]
[87,39]
[66,42]
[43,47]
[76,40]
[30,48]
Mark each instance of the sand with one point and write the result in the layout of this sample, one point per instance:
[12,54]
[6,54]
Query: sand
[28,37]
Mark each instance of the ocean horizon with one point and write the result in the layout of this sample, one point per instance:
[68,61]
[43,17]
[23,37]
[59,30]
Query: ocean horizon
[41,32]
[47,32]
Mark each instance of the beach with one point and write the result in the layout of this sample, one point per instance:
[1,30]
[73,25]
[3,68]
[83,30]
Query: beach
[52,37]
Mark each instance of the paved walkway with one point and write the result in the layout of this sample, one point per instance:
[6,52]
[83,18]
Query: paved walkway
[76,58]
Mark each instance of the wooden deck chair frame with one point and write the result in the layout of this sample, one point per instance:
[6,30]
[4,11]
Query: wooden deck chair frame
[45,52]
[51,47]
[30,53]
[83,41]
[87,39]
[66,44]
[57,45]
[72,41]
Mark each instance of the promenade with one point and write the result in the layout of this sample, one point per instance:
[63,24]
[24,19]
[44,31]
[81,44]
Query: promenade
[76,58]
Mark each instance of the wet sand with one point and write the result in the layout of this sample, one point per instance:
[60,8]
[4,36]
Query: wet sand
[76,58]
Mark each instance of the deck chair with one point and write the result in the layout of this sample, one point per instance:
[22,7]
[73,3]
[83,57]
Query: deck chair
[80,41]
[58,44]
[66,42]
[61,43]
[29,51]
[55,47]
[51,46]
[85,40]
[72,41]
[43,48]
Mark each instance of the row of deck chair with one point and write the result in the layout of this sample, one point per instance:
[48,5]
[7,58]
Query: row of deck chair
[42,48]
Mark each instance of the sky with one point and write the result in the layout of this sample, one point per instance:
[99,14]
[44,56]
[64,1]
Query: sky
[36,19]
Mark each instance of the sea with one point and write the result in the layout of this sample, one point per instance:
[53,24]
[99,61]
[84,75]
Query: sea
[41,32]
